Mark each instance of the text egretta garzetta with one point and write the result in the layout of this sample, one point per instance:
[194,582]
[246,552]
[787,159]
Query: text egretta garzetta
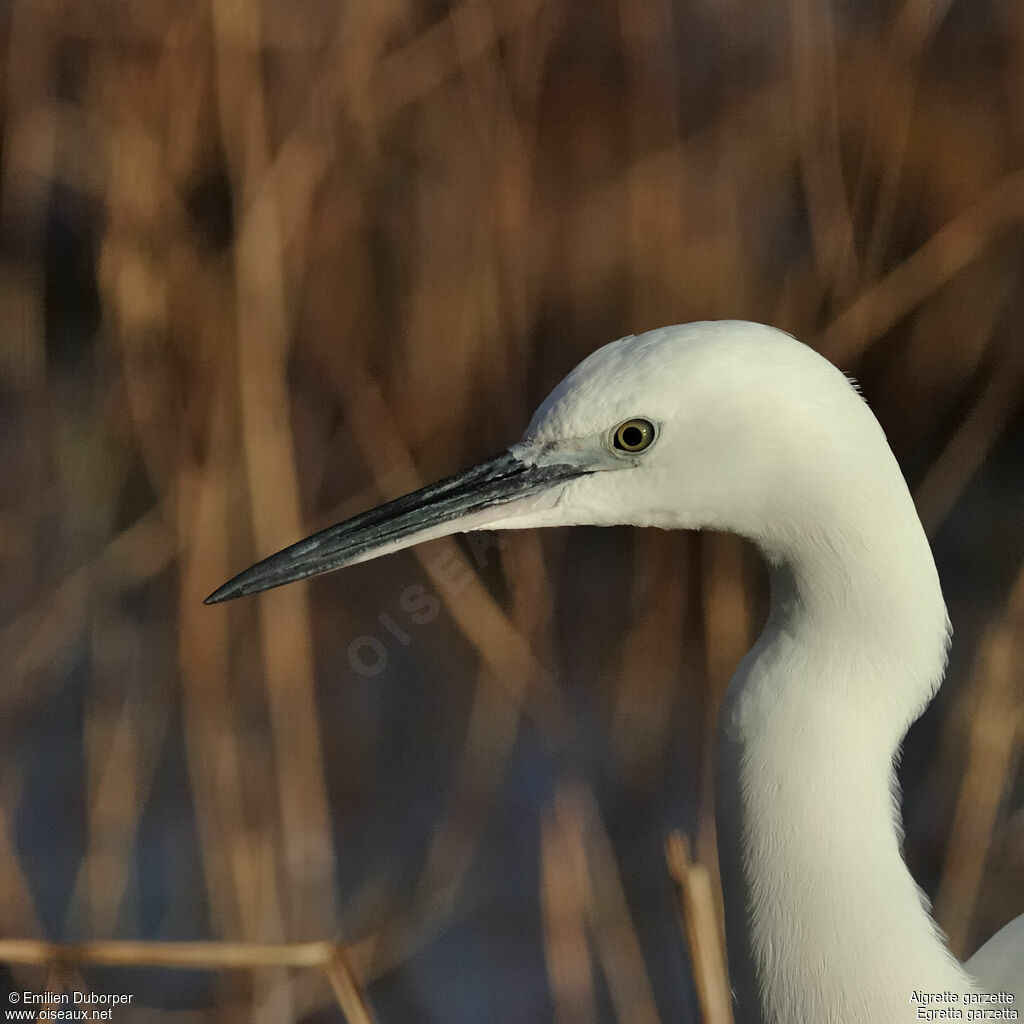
[736,426]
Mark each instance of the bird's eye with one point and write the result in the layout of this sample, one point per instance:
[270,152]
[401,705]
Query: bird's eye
[633,435]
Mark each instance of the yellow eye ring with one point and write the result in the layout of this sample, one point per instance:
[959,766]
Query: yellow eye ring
[633,436]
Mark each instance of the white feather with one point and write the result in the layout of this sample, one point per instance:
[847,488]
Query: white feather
[761,436]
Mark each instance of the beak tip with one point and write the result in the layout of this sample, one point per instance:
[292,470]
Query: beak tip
[221,594]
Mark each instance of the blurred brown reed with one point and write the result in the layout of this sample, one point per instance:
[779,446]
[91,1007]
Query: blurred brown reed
[265,264]
[704,935]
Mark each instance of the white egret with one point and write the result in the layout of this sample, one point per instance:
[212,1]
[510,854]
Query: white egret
[739,427]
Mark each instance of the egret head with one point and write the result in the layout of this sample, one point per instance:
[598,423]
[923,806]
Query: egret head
[683,427]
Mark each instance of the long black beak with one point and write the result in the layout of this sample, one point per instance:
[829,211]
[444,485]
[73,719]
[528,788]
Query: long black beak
[401,522]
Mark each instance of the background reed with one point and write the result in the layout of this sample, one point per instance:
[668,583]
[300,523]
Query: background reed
[265,264]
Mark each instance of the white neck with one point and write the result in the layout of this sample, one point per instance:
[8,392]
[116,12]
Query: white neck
[824,922]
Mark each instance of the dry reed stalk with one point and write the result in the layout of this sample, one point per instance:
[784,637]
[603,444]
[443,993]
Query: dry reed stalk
[971,443]
[727,637]
[262,338]
[813,48]
[527,54]
[450,284]
[338,962]
[29,156]
[362,34]
[995,739]
[650,663]
[727,611]
[334,958]
[18,912]
[460,283]
[530,600]
[653,230]
[608,915]
[490,736]
[41,635]
[255,865]
[705,240]
[494,720]
[123,744]
[915,25]
[299,167]
[210,742]
[347,990]
[563,893]
[176,955]
[472,29]
[122,750]
[364,957]
[145,174]
[964,321]
[699,917]
[243,884]
[876,309]
[57,983]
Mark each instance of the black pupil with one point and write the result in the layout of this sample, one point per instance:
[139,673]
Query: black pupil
[632,437]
